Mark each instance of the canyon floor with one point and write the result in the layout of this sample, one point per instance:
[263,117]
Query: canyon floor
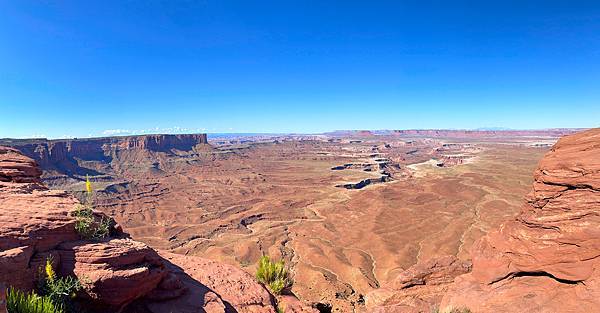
[346,213]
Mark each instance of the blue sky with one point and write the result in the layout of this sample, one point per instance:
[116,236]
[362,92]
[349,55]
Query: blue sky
[81,68]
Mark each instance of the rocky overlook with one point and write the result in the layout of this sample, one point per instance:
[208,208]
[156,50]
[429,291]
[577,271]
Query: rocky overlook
[237,200]
[543,260]
[118,273]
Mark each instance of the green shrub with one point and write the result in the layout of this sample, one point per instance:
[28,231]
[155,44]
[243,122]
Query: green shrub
[273,274]
[20,302]
[87,225]
[60,290]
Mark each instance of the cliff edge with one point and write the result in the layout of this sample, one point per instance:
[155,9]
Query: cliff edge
[545,260]
[119,274]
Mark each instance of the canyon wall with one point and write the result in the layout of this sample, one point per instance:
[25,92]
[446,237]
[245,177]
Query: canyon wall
[51,152]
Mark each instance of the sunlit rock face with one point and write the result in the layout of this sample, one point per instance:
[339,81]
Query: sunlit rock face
[546,259]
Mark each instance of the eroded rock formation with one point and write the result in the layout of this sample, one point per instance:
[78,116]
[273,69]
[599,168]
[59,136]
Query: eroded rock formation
[66,156]
[544,260]
[547,259]
[36,224]
[419,288]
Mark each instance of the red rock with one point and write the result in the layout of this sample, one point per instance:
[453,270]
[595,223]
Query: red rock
[63,152]
[291,304]
[36,223]
[545,260]
[419,288]
[3,298]
[114,271]
[203,277]
[15,167]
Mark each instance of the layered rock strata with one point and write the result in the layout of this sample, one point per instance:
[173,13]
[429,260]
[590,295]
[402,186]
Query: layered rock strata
[118,273]
[546,259]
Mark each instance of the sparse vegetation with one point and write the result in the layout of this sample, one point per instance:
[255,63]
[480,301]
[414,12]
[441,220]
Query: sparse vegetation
[87,224]
[280,308]
[20,302]
[451,310]
[60,290]
[274,275]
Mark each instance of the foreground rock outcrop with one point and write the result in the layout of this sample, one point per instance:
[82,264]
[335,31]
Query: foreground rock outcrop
[419,288]
[547,259]
[118,273]
[544,260]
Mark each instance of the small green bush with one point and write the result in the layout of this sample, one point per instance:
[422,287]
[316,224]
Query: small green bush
[90,227]
[273,274]
[20,302]
[60,290]
[87,225]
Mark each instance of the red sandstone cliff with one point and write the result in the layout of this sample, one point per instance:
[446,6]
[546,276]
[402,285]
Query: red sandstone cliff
[47,152]
[119,273]
[545,260]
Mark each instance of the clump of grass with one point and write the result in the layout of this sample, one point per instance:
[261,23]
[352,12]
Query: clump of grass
[20,302]
[274,275]
[87,225]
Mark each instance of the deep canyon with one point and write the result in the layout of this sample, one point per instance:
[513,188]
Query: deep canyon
[349,212]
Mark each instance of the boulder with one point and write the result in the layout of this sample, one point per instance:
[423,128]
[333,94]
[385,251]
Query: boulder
[16,167]
[114,271]
[419,288]
[213,286]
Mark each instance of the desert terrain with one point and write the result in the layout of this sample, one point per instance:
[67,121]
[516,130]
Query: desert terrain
[348,211]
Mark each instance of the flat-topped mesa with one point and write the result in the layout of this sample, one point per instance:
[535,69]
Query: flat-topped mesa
[458,133]
[61,152]
[163,143]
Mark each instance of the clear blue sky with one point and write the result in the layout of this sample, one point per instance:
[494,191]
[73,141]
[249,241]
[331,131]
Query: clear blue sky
[79,68]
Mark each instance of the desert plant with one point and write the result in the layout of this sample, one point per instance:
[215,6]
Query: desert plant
[280,308]
[60,290]
[274,275]
[20,302]
[451,310]
[87,225]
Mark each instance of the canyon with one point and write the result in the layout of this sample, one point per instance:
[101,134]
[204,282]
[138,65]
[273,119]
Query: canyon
[367,221]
